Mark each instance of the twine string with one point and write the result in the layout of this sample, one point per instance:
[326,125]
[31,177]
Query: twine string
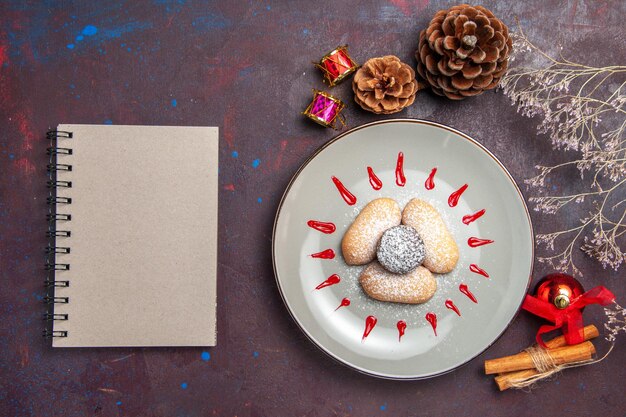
[541,359]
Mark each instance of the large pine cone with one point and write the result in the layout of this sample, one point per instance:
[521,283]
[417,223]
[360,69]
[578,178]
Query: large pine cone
[384,85]
[464,51]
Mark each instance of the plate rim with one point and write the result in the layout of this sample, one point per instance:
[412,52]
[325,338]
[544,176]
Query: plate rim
[339,137]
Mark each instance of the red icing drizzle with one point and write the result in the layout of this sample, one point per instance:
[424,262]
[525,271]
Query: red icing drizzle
[432,319]
[472,217]
[326,254]
[370,322]
[463,288]
[401,328]
[344,303]
[430,181]
[478,270]
[400,178]
[375,182]
[331,280]
[347,196]
[324,227]
[474,242]
[453,200]
[450,305]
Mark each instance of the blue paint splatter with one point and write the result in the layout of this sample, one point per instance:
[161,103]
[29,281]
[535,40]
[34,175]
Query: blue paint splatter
[174,102]
[119,403]
[256,163]
[205,356]
[128,49]
[383,407]
[255,354]
[305,31]
[245,71]
[11,156]
[117,32]
[72,86]
[70,46]
[259,200]
[79,38]
[108,122]
[183,385]
[211,21]
[90,30]
[268,7]
[235,154]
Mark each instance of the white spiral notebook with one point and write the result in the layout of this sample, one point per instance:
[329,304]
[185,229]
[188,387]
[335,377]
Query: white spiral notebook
[132,256]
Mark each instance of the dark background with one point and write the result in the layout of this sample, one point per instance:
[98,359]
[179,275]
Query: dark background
[245,66]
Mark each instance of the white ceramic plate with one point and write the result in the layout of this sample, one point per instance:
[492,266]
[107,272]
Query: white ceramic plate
[313,196]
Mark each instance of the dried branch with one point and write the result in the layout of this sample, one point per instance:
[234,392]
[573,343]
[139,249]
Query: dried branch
[581,109]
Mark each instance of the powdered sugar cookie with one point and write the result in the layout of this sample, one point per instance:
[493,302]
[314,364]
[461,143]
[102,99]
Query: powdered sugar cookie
[360,241]
[442,253]
[415,287]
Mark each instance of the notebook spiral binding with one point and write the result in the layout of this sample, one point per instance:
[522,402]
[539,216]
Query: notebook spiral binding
[54,217]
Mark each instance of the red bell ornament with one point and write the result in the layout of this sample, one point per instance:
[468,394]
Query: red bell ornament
[558,289]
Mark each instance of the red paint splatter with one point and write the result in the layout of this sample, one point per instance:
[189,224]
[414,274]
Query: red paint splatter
[463,288]
[430,181]
[347,196]
[401,328]
[475,242]
[24,355]
[432,319]
[222,72]
[229,187]
[344,303]
[370,322]
[326,254]
[4,57]
[453,200]
[400,178]
[473,217]
[450,305]
[331,280]
[478,270]
[324,227]
[375,182]
[279,158]
[23,126]
[26,166]
[410,7]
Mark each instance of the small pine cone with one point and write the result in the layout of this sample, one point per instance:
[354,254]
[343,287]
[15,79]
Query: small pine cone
[464,51]
[385,85]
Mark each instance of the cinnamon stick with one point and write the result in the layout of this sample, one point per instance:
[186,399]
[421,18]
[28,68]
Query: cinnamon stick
[522,360]
[504,380]
[589,332]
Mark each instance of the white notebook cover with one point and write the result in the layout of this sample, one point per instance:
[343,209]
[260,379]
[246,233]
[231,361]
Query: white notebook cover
[143,238]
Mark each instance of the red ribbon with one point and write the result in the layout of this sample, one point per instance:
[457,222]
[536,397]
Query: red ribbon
[569,319]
